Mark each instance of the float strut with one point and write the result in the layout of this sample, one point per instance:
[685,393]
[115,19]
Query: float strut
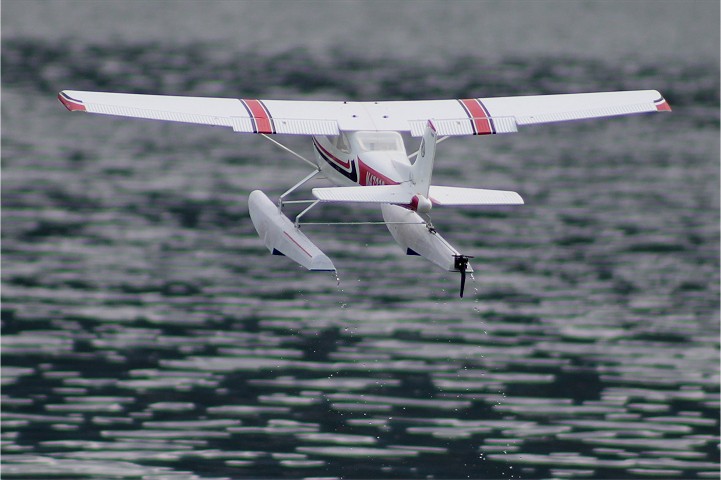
[308,178]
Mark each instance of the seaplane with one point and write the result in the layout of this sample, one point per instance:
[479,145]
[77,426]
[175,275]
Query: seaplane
[359,148]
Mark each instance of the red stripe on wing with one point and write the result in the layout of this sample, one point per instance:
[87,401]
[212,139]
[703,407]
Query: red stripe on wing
[261,117]
[662,105]
[70,103]
[478,115]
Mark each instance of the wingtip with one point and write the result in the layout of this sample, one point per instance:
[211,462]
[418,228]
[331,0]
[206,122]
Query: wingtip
[662,105]
[70,103]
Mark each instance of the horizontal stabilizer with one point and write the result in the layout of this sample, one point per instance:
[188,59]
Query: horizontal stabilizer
[403,195]
[399,194]
[458,196]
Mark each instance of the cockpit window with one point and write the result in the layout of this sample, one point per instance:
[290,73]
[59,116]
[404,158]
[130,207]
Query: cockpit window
[380,141]
[342,143]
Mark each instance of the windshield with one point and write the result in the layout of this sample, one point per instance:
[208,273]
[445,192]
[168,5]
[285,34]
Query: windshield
[380,141]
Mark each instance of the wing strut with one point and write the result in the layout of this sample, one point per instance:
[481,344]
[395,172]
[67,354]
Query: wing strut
[292,152]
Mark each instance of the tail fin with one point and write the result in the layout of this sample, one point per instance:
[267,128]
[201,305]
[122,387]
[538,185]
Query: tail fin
[422,168]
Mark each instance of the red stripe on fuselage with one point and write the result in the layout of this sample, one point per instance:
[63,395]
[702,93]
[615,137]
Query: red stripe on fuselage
[344,164]
[370,176]
[260,115]
[478,116]
[366,174]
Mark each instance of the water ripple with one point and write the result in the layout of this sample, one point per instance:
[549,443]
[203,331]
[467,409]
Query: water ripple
[148,334]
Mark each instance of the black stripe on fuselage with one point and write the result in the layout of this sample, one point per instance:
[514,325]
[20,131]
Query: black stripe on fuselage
[325,155]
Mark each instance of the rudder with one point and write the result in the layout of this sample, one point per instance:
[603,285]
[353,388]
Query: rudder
[422,168]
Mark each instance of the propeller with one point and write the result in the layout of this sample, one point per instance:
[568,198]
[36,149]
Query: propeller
[461,264]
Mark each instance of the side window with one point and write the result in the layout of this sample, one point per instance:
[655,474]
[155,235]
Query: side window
[341,143]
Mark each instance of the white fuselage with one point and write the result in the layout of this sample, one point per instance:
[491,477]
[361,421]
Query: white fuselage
[363,158]
[370,158]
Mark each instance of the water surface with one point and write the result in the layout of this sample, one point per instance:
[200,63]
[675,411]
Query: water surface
[147,333]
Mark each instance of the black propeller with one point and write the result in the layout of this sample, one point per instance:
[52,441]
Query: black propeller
[461,264]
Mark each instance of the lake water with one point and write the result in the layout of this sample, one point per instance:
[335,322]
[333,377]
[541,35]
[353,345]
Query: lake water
[147,333]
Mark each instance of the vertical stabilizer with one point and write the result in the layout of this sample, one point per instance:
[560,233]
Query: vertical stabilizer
[422,168]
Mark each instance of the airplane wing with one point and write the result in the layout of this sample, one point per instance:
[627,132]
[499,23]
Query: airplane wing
[242,115]
[475,116]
